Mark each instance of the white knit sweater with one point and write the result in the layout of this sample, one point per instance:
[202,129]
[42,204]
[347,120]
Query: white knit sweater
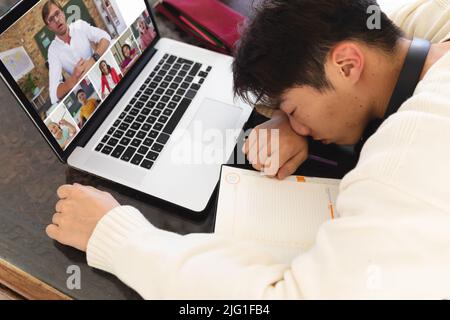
[393,240]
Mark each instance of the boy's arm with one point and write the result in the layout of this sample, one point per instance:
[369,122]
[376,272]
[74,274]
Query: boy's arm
[427,19]
[360,257]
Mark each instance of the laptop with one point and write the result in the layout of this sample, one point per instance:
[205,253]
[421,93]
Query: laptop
[114,99]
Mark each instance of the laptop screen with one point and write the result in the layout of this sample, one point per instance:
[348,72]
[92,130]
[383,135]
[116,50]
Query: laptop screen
[68,56]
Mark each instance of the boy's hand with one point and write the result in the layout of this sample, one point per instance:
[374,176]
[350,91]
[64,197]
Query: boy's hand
[279,157]
[78,213]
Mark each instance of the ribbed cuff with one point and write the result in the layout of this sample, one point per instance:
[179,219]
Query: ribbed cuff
[111,233]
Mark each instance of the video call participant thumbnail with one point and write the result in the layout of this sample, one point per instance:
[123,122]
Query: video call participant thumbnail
[63,132]
[88,106]
[110,78]
[71,50]
[130,55]
[146,33]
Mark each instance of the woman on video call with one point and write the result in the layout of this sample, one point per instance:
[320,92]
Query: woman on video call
[129,55]
[110,78]
[146,34]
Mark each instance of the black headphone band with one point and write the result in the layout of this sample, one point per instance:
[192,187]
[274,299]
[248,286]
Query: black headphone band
[406,85]
[410,75]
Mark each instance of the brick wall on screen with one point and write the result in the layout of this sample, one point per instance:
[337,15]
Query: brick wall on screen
[22,35]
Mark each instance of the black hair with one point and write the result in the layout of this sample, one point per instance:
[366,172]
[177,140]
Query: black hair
[107,65]
[80,91]
[46,9]
[286,44]
[126,46]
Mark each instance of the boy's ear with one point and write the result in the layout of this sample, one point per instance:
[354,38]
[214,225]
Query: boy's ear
[347,59]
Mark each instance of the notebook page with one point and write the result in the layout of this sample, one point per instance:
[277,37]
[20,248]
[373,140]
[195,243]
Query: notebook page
[274,213]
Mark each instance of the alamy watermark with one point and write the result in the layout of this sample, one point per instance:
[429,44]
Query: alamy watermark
[74,279]
[200,146]
[374,20]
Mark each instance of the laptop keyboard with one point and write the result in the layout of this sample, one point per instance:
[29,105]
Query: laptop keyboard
[140,133]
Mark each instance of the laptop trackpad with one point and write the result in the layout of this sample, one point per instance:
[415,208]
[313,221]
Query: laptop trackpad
[216,115]
[207,141]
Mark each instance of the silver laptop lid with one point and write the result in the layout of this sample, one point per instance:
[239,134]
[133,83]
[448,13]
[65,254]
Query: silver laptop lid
[68,61]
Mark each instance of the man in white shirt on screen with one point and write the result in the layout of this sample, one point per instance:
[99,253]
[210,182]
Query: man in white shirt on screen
[71,50]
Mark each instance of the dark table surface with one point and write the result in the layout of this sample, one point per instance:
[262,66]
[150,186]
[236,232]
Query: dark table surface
[29,177]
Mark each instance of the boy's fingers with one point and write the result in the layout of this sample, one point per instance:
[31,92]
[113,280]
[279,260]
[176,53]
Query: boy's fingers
[263,155]
[56,220]
[291,166]
[52,231]
[60,206]
[64,191]
[246,146]
[271,167]
[253,155]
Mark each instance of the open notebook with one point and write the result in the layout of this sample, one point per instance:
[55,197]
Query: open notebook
[283,216]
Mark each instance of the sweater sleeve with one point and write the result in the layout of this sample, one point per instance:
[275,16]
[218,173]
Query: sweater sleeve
[372,254]
[427,19]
